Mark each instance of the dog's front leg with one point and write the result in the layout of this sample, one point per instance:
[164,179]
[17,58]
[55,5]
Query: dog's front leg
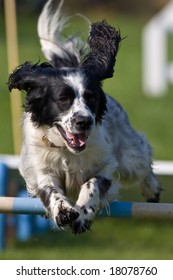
[90,197]
[56,203]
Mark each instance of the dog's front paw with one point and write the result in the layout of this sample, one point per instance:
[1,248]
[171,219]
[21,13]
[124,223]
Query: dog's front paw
[84,221]
[80,226]
[65,216]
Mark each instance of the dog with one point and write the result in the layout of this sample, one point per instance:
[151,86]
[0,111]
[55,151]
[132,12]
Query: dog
[79,147]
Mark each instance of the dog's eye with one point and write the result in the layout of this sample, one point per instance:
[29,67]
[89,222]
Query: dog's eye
[65,99]
[66,96]
[92,99]
[89,96]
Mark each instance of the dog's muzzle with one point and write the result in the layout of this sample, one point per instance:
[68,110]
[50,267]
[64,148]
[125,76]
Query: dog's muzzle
[82,123]
[77,140]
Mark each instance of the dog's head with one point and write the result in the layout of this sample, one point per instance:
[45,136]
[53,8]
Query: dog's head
[70,99]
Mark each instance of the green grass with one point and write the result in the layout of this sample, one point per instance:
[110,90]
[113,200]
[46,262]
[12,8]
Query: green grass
[109,238]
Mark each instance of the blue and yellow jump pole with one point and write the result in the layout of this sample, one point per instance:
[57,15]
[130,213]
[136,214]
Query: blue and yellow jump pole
[19,205]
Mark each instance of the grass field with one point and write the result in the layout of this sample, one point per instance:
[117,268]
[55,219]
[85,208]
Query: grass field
[109,238]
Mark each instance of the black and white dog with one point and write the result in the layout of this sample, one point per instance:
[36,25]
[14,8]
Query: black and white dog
[78,145]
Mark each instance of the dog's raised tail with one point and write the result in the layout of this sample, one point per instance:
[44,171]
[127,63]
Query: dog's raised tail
[60,50]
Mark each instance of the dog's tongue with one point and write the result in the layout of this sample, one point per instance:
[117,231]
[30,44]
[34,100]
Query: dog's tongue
[78,140]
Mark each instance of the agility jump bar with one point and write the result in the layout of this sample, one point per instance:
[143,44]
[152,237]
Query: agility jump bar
[20,205]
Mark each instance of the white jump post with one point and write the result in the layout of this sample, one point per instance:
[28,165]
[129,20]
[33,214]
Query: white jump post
[157,70]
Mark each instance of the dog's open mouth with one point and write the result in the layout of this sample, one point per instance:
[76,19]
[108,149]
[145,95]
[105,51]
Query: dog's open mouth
[74,141]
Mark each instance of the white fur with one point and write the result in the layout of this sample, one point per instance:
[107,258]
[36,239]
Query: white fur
[50,27]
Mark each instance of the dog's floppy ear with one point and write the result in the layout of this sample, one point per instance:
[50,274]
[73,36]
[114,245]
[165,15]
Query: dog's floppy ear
[34,79]
[28,77]
[104,43]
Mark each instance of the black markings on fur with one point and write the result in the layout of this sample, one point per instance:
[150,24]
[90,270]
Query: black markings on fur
[79,227]
[84,210]
[91,195]
[104,44]
[147,183]
[88,185]
[70,61]
[155,199]
[92,209]
[103,185]
[66,216]
[45,194]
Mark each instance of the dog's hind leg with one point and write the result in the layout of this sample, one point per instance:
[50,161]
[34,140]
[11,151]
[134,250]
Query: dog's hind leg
[151,188]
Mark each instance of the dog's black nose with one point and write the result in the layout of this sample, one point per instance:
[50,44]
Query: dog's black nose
[83,123]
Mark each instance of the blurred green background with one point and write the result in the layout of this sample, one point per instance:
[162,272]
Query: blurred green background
[109,238]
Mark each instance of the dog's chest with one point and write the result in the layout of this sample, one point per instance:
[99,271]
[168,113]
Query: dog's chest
[74,181]
[74,170]
[79,172]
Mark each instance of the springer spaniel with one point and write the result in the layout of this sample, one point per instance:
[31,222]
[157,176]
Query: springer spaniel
[78,145]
